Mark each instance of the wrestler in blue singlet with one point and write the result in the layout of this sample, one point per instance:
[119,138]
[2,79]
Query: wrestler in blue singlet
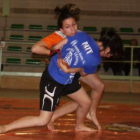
[81,51]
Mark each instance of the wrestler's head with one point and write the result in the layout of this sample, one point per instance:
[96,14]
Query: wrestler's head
[111,43]
[68,16]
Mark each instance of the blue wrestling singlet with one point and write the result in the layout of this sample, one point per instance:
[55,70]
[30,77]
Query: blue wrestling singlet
[81,51]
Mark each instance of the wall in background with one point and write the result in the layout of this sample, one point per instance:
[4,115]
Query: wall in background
[97,13]
[92,10]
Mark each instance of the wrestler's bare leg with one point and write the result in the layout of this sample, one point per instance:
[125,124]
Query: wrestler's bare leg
[97,86]
[69,107]
[84,102]
[28,121]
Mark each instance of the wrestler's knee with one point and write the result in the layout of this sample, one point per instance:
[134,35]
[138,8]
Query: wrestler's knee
[86,105]
[99,86]
[43,118]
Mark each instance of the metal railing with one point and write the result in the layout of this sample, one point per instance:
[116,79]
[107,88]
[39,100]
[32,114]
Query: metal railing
[131,78]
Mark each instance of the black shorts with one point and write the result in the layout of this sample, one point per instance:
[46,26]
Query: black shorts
[51,91]
[74,86]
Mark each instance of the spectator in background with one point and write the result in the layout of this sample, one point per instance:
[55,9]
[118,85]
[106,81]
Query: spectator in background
[117,67]
[136,56]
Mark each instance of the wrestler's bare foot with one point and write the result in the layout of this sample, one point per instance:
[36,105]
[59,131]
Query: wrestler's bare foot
[51,127]
[84,128]
[93,118]
[2,129]
[89,117]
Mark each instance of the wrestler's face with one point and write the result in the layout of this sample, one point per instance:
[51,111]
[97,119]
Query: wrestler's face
[104,52]
[69,27]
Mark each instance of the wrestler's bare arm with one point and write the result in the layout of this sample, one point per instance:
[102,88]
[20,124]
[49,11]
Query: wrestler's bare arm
[60,44]
[40,48]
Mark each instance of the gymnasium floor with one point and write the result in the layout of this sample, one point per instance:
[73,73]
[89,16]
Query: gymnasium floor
[118,113]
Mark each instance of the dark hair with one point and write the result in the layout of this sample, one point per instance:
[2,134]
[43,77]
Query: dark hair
[67,11]
[133,40]
[111,39]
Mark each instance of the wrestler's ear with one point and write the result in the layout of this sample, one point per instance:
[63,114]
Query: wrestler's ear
[100,45]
